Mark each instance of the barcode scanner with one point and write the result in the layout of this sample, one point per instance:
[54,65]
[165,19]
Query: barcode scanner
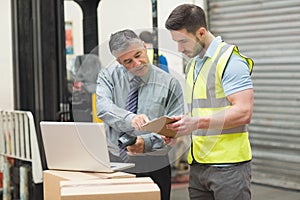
[126,140]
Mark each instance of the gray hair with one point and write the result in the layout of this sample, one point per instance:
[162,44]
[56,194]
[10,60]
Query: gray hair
[121,40]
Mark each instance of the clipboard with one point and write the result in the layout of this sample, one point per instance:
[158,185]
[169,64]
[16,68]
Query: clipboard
[158,125]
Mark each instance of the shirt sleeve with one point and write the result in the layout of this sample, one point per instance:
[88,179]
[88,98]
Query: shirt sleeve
[111,114]
[236,76]
[153,142]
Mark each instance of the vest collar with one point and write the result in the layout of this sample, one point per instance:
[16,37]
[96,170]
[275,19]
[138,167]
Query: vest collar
[211,49]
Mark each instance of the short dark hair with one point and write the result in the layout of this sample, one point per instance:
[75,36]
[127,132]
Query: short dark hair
[186,16]
[121,40]
[146,36]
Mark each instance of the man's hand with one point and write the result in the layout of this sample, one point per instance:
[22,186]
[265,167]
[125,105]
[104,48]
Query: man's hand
[139,120]
[169,141]
[184,125]
[138,147]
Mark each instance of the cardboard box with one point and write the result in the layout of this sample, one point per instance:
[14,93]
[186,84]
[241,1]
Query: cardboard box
[52,179]
[67,185]
[110,189]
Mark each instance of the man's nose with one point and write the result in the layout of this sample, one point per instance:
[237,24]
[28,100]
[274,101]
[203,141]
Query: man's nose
[136,62]
[180,48]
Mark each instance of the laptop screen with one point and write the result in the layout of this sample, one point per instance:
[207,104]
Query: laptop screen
[78,146]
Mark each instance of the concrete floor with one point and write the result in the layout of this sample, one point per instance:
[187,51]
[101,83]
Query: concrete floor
[259,192]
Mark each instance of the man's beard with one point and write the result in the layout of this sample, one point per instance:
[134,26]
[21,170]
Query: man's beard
[139,69]
[198,49]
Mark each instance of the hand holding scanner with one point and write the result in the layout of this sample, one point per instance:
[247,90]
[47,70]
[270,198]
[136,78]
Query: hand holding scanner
[126,140]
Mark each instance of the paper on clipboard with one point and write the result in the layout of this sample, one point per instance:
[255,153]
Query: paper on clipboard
[158,125]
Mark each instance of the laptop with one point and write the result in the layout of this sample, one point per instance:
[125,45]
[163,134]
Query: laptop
[78,146]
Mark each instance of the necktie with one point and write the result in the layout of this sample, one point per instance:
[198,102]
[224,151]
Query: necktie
[132,100]
[131,105]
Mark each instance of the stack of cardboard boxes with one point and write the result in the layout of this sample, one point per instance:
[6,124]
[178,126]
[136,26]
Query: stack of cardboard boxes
[69,185]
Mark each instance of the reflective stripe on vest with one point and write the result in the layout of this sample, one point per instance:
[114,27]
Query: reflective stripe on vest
[206,97]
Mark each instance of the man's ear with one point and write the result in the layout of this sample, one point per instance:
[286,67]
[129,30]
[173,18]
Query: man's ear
[118,60]
[200,33]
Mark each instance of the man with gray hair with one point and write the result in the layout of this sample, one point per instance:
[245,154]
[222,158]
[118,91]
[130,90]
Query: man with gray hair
[124,109]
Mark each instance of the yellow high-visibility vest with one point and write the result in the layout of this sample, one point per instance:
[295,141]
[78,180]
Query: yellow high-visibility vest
[205,97]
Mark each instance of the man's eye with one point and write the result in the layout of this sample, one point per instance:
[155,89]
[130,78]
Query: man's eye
[127,62]
[138,55]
